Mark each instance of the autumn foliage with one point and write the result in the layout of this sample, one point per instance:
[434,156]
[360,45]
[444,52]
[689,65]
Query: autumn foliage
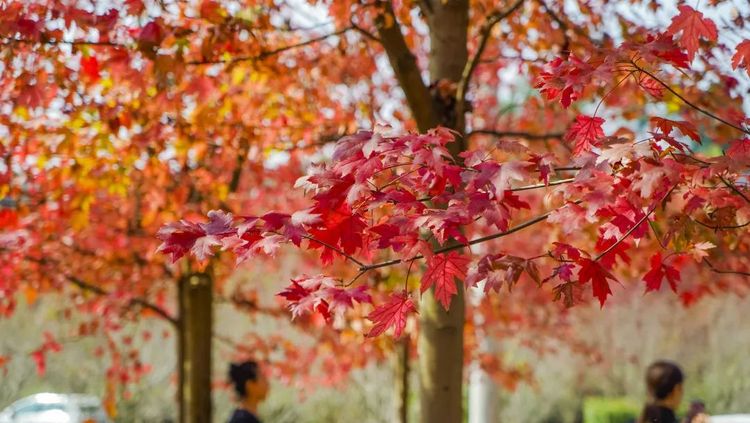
[577,152]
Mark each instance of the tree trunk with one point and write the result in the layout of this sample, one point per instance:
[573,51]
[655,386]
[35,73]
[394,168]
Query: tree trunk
[180,328]
[441,333]
[403,371]
[196,323]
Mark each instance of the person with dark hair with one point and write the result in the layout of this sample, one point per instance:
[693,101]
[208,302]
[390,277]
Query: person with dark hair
[251,388]
[696,413]
[664,382]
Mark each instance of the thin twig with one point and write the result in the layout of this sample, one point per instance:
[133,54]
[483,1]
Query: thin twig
[734,188]
[134,301]
[9,41]
[535,186]
[725,272]
[471,65]
[718,227]
[634,227]
[336,249]
[454,247]
[686,101]
[269,53]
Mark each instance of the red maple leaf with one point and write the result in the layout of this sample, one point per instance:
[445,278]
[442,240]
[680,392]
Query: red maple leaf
[658,272]
[586,132]
[441,271]
[90,67]
[693,26]
[741,57]
[739,150]
[667,126]
[179,238]
[393,313]
[598,275]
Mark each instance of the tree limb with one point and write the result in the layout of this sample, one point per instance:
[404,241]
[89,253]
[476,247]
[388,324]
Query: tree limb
[134,301]
[405,67]
[519,134]
[686,101]
[454,247]
[725,272]
[484,34]
[269,53]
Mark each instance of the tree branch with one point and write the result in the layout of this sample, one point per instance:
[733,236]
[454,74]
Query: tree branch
[484,34]
[686,101]
[134,301]
[565,48]
[454,247]
[336,249]
[269,53]
[734,188]
[103,292]
[405,67]
[519,134]
[725,272]
[10,41]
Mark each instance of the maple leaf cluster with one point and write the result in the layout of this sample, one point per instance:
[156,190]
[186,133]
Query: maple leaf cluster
[406,197]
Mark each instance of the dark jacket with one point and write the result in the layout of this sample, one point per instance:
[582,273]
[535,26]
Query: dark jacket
[657,414]
[243,416]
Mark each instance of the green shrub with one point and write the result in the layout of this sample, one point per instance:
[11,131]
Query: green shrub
[609,410]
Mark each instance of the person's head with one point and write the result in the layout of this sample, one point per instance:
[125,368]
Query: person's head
[697,408]
[664,381]
[248,381]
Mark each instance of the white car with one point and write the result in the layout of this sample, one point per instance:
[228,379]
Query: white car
[731,418]
[55,408]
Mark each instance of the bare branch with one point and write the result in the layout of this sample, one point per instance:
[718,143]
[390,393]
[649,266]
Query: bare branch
[336,249]
[723,271]
[135,301]
[103,292]
[405,67]
[269,53]
[454,247]
[52,42]
[484,34]
[734,188]
[565,48]
[518,134]
[686,101]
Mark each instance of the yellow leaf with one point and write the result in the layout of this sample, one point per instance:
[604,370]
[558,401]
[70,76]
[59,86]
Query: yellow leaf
[22,112]
[238,75]
[41,160]
[79,220]
[222,192]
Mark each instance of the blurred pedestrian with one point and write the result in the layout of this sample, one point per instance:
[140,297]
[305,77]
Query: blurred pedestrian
[664,382]
[251,387]
[696,413]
